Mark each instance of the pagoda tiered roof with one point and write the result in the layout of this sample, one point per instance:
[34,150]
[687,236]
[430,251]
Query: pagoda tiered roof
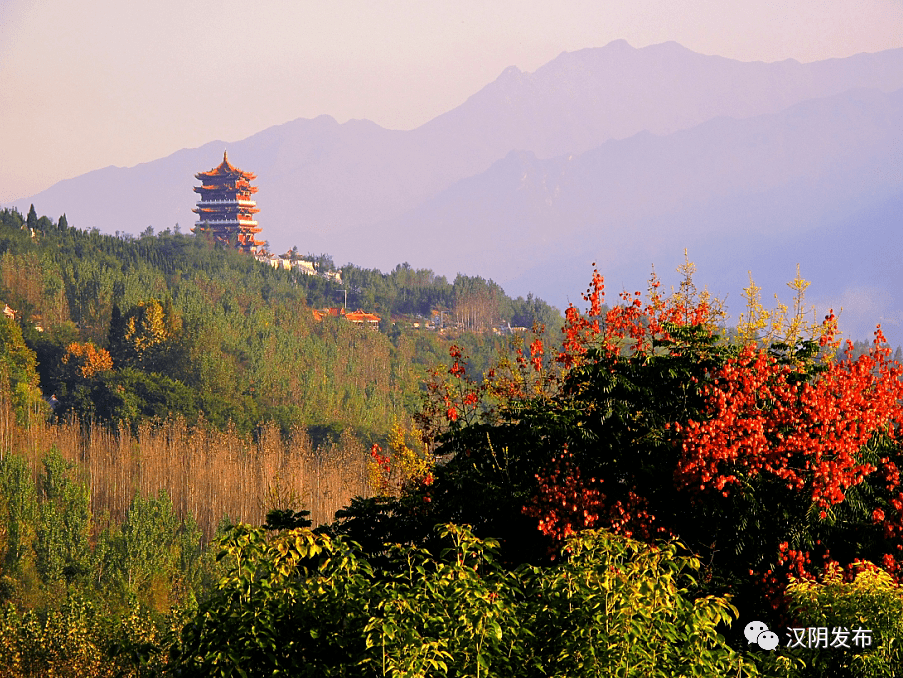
[226,169]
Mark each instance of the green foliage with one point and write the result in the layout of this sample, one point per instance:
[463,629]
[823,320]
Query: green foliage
[73,606]
[11,219]
[294,605]
[130,396]
[617,416]
[471,301]
[286,519]
[18,373]
[373,523]
[66,642]
[47,550]
[61,548]
[31,221]
[239,335]
[81,638]
[869,600]
[456,615]
[144,336]
[614,607]
[18,520]
[301,604]
[152,554]
[628,608]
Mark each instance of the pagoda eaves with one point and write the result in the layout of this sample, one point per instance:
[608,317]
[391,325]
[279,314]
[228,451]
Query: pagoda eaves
[225,209]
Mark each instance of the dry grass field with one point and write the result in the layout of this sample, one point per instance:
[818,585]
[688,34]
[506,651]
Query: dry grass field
[208,473]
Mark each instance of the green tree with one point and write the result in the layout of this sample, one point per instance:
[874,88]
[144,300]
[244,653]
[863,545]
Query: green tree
[19,379]
[18,519]
[763,458]
[863,597]
[294,605]
[143,555]
[142,336]
[62,547]
[31,221]
[11,218]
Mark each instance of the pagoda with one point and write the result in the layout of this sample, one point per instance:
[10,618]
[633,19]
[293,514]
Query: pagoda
[226,210]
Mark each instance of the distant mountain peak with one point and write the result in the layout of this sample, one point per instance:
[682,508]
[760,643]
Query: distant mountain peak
[586,144]
[512,74]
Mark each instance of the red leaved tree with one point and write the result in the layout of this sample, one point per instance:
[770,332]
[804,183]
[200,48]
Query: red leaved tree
[766,457]
[762,452]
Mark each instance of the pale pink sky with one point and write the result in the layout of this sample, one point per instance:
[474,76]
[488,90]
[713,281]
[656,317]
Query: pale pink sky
[94,83]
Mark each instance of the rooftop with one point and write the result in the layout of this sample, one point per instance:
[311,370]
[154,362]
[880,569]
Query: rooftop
[226,169]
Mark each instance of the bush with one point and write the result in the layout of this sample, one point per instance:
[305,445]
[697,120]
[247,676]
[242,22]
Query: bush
[868,599]
[303,604]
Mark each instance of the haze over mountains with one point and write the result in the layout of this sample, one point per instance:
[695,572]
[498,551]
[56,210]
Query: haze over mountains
[616,155]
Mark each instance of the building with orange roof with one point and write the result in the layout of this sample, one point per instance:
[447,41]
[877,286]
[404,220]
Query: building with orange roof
[226,209]
[358,317]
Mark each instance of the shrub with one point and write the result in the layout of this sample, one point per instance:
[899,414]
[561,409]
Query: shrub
[864,597]
[303,604]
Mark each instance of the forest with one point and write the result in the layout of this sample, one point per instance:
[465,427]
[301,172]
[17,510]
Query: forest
[198,478]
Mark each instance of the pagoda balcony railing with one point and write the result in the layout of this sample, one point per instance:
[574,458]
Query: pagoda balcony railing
[218,222]
[228,202]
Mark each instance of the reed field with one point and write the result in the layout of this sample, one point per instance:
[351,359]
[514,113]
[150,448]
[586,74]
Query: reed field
[208,474]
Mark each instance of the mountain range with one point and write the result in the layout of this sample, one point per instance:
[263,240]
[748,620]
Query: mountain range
[613,155]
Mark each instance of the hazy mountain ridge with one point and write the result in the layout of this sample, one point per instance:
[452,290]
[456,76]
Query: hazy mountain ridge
[648,177]
[662,89]
[530,169]
[722,189]
[316,175]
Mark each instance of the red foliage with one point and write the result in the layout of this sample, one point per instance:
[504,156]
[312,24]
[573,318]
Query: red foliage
[631,326]
[381,470]
[811,434]
[807,433]
[808,425]
[536,353]
[452,398]
[566,503]
[579,329]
